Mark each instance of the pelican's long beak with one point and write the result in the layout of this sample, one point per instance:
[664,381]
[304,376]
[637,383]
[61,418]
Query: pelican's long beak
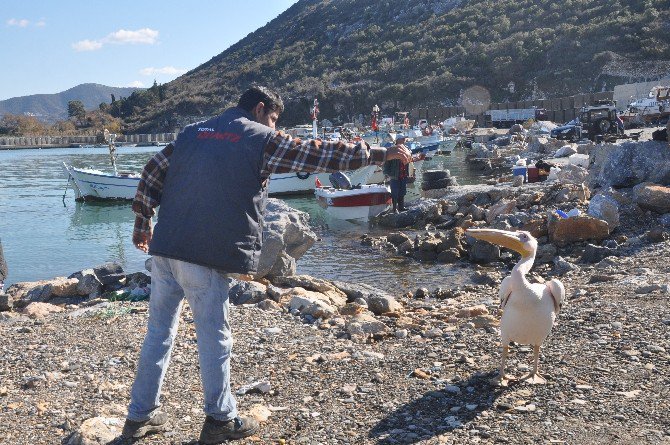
[500,237]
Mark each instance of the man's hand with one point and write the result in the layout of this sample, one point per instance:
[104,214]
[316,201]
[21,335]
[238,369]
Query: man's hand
[399,152]
[142,240]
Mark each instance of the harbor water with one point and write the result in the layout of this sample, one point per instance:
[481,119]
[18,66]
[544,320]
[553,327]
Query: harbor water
[45,233]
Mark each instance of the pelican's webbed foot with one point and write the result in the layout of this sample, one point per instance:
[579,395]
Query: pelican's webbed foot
[534,379]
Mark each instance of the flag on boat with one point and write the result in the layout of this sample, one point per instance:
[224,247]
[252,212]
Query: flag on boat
[317,183]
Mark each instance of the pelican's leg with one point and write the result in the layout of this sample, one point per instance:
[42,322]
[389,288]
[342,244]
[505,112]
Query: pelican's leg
[502,379]
[535,377]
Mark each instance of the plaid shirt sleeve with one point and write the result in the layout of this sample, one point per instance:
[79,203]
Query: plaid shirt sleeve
[150,189]
[283,154]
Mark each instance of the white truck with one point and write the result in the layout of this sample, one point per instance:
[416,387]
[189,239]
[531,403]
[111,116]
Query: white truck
[507,118]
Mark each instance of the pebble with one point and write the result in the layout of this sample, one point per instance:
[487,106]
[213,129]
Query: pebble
[401,333]
[452,389]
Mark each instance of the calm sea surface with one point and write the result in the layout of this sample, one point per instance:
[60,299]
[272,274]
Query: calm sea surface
[47,234]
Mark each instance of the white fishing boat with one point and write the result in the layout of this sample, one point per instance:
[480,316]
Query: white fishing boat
[431,142]
[303,182]
[360,202]
[95,185]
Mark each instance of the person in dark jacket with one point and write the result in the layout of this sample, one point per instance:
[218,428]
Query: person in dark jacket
[398,172]
[211,185]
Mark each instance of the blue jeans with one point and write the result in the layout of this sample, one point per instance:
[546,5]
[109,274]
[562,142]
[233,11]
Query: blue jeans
[398,188]
[206,291]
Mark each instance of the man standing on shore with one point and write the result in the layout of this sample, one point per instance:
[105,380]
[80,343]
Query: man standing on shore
[398,172]
[211,185]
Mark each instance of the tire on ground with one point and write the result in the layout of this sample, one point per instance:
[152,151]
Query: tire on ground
[434,175]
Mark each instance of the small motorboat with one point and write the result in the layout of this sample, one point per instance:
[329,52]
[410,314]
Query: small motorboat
[343,201]
[303,182]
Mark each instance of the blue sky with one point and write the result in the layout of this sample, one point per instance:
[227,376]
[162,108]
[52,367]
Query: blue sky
[49,46]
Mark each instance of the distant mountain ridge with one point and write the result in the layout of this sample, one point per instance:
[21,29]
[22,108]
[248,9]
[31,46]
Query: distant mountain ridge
[52,107]
[402,54]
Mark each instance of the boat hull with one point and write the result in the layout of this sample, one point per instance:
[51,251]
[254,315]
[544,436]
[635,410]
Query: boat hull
[304,183]
[92,185]
[361,203]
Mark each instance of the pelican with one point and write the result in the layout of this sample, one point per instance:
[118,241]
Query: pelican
[529,310]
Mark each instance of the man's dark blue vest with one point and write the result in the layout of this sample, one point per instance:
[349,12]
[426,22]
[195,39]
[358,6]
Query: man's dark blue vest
[211,209]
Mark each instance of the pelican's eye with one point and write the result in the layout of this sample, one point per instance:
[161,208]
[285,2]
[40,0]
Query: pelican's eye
[523,237]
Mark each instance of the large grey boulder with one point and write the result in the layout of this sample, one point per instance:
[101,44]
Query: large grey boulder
[594,254]
[604,206]
[378,301]
[564,231]
[484,252]
[286,233]
[652,197]
[572,174]
[88,283]
[565,151]
[630,163]
[247,292]
[110,275]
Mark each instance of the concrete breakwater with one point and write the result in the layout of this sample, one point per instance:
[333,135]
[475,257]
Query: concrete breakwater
[16,142]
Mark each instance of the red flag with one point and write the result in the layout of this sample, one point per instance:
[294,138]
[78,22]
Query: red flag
[317,183]
[374,125]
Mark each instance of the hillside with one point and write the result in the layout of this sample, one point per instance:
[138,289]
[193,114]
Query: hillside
[403,53]
[51,107]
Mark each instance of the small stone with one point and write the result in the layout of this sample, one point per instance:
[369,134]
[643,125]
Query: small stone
[401,333]
[418,373]
[452,389]
[647,289]
[433,333]
[260,387]
[260,412]
[268,305]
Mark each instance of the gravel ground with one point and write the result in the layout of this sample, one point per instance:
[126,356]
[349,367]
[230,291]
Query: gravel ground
[607,363]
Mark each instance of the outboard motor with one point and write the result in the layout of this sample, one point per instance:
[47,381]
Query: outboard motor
[339,181]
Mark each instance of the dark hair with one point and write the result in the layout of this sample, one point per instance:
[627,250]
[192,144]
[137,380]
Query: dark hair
[256,94]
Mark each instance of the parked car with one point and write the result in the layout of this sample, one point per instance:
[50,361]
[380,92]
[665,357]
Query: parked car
[598,122]
[572,131]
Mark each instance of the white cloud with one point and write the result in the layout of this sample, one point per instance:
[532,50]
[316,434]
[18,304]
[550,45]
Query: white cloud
[41,23]
[167,70]
[145,36]
[136,84]
[87,45]
[21,23]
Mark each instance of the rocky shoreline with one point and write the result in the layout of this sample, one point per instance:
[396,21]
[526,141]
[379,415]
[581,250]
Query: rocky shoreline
[328,362]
